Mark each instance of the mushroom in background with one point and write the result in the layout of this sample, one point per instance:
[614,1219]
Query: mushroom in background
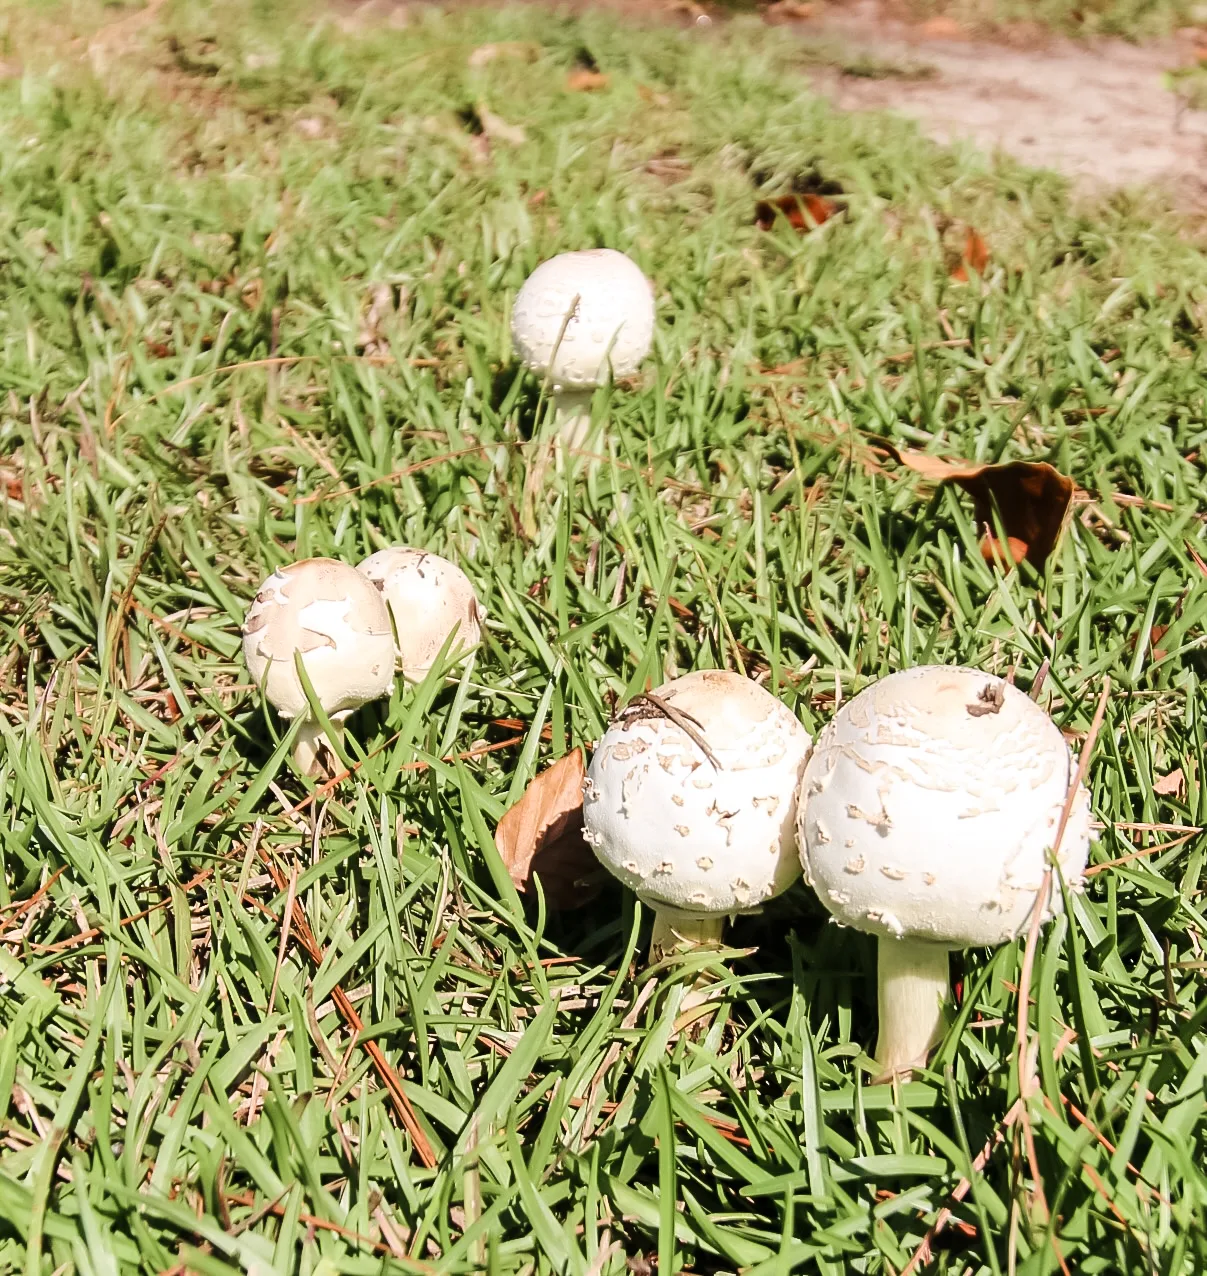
[581,319]
[336,618]
[927,817]
[428,598]
[690,801]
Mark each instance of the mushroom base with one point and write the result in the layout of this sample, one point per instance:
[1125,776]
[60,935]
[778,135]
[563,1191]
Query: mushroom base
[310,747]
[572,414]
[681,932]
[913,983]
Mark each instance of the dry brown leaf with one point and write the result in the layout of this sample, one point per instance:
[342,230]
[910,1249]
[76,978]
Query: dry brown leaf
[584,80]
[942,28]
[1171,785]
[803,212]
[1031,498]
[485,53]
[973,257]
[652,95]
[542,836]
[497,129]
[788,11]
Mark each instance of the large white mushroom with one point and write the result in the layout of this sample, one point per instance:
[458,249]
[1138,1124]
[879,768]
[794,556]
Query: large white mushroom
[337,620]
[690,801]
[928,814]
[429,598]
[581,319]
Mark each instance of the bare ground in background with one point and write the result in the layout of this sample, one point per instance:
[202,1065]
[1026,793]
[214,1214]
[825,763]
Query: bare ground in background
[1096,110]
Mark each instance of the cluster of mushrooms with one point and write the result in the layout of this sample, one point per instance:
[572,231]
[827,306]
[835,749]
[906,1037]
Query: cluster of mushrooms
[939,809]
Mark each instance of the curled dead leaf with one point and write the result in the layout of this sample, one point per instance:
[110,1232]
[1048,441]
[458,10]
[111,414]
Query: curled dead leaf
[487,53]
[788,11]
[1032,500]
[942,27]
[803,212]
[585,80]
[1171,785]
[542,836]
[974,256]
[497,128]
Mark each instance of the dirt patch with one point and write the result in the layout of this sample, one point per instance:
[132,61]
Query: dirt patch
[1096,110]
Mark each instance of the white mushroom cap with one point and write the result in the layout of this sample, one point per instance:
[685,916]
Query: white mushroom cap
[686,834]
[429,598]
[930,806]
[330,613]
[607,333]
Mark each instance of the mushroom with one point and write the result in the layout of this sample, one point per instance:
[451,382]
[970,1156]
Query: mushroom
[579,319]
[337,620]
[690,801]
[429,598]
[928,816]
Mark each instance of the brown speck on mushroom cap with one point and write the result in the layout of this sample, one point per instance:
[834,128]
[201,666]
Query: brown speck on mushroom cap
[949,810]
[715,823]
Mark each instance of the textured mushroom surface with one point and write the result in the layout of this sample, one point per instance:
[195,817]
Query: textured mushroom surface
[429,598]
[930,806]
[579,343]
[685,832]
[337,619]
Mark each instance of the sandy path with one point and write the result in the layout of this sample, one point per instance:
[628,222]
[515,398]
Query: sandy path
[1098,111]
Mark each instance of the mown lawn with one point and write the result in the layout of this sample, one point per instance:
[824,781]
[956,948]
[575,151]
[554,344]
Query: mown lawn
[255,274]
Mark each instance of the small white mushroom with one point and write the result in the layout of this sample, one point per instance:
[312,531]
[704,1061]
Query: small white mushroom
[579,320]
[429,598]
[971,777]
[691,837]
[336,619]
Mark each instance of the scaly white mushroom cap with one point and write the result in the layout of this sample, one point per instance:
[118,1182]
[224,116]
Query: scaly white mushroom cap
[607,333]
[429,598]
[686,834]
[930,805]
[336,618]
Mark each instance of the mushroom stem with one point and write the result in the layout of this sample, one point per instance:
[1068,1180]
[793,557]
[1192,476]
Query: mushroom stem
[572,415]
[913,983]
[309,747]
[681,932]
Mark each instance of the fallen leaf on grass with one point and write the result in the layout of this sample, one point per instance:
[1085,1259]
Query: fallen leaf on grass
[803,212]
[652,95]
[585,80]
[486,53]
[942,28]
[542,836]
[1032,500]
[974,257]
[1170,785]
[496,127]
[788,11]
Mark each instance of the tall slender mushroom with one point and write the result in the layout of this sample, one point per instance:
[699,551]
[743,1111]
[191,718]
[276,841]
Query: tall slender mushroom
[429,598]
[927,817]
[580,319]
[690,801]
[337,620]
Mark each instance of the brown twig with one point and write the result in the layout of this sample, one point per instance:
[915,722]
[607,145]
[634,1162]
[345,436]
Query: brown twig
[1026,1064]
[664,709]
[84,936]
[127,595]
[277,1209]
[390,1079]
[924,1254]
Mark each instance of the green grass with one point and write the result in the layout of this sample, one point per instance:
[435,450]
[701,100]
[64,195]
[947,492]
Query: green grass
[202,194]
